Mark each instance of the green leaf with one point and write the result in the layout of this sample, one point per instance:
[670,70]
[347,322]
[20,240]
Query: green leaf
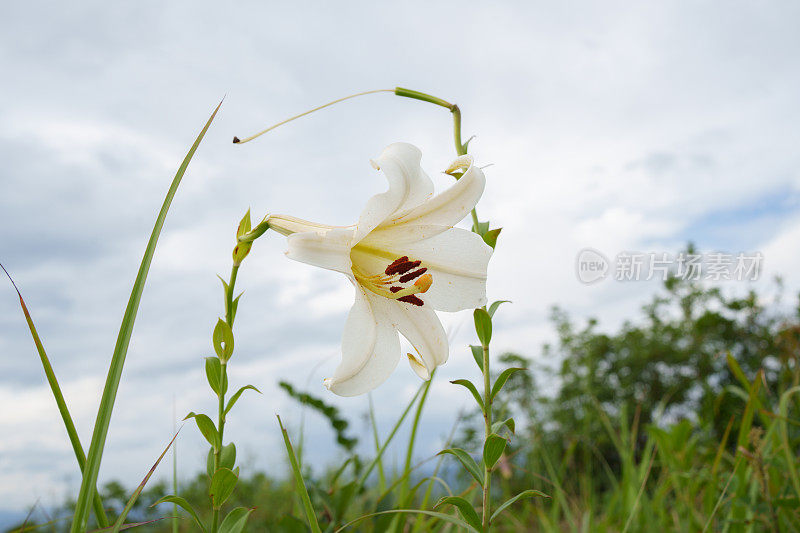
[493,449]
[214,375]
[300,484]
[210,462]
[207,428]
[483,326]
[80,519]
[477,354]
[236,519]
[227,456]
[508,422]
[236,396]
[439,516]
[524,494]
[223,340]
[122,515]
[475,394]
[464,507]
[222,485]
[495,305]
[66,418]
[244,225]
[481,228]
[502,378]
[467,461]
[490,237]
[185,505]
[235,304]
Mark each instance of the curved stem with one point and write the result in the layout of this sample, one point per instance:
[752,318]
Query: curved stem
[237,140]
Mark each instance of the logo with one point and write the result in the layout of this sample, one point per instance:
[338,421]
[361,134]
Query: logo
[591,266]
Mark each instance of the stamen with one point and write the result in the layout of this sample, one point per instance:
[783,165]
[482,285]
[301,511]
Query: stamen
[395,289]
[394,264]
[402,268]
[411,299]
[411,275]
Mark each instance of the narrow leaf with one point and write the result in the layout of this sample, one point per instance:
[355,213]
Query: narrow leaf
[440,516]
[467,461]
[80,519]
[490,237]
[464,507]
[477,354]
[207,428]
[238,393]
[185,505]
[222,485]
[235,521]
[501,380]
[214,373]
[311,516]
[483,326]
[121,518]
[55,390]
[524,494]
[469,386]
[493,449]
[495,305]
[508,422]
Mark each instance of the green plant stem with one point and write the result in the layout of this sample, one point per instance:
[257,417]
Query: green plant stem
[487,419]
[229,318]
[461,149]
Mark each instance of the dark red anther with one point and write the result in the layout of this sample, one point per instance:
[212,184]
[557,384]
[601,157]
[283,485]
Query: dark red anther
[395,263]
[395,289]
[411,275]
[411,299]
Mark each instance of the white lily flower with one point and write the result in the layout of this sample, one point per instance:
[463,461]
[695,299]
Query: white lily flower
[406,260]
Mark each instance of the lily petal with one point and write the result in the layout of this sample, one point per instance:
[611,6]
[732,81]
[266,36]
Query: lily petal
[370,350]
[409,187]
[329,249]
[422,328]
[446,209]
[457,260]
[286,225]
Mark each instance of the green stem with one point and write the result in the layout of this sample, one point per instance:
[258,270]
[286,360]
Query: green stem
[229,315]
[229,318]
[461,149]
[487,419]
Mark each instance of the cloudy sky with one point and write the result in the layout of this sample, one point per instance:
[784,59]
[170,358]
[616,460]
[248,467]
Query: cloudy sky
[609,125]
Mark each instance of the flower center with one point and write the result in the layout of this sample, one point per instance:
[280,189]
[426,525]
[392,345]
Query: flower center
[401,280]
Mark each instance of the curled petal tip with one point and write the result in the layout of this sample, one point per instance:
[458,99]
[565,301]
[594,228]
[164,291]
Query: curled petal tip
[374,164]
[462,162]
[328,382]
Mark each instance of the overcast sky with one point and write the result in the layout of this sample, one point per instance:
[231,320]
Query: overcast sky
[616,126]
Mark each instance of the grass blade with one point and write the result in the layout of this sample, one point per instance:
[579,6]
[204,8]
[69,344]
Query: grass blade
[121,518]
[301,485]
[55,389]
[81,518]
